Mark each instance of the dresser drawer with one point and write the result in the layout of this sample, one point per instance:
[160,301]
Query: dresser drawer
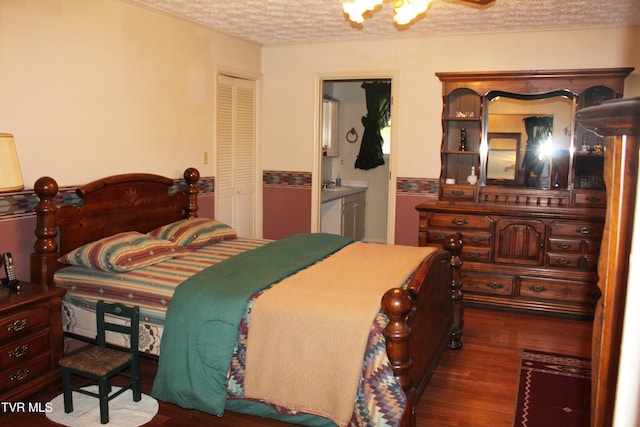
[22,350]
[565,245]
[558,290]
[24,322]
[476,254]
[458,192]
[577,228]
[487,284]
[460,221]
[469,238]
[590,198]
[25,372]
[564,260]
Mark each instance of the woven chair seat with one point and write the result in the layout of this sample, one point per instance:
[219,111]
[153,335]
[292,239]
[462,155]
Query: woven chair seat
[96,360]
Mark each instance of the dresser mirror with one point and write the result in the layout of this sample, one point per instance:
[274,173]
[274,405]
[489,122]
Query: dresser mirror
[528,139]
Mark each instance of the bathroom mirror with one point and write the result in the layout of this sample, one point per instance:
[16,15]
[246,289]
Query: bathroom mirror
[528,139]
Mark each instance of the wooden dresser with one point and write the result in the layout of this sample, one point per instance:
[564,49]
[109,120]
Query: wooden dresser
[522,257]
[524,185]
[30,340]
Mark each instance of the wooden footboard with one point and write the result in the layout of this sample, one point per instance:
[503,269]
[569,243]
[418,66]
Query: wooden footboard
[424,319]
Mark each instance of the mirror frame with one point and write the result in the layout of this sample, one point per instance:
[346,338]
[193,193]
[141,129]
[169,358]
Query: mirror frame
[484,145]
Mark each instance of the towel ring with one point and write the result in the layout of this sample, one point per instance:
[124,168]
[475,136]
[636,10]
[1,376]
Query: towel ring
[352,135]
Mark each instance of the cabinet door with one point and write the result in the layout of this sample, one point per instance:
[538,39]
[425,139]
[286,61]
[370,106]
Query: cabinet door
[519,241]
[353,216]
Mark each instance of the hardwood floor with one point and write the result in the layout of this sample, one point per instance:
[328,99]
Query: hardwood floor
[474,386]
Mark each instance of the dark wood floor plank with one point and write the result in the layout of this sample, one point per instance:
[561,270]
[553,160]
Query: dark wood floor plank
[474,386]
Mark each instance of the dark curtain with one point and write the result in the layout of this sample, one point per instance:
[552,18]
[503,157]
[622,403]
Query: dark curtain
[538,129]
[378,97]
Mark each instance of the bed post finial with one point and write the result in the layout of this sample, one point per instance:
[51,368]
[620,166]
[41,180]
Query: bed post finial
[397,304]
[44,259]
[191,176]
[454,245]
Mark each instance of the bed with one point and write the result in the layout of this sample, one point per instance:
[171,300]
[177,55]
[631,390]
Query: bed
[416,320]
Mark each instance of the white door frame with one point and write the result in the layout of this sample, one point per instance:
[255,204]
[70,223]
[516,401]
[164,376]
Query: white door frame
[316,176]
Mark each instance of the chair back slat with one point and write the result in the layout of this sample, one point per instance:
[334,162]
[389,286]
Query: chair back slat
[131,328]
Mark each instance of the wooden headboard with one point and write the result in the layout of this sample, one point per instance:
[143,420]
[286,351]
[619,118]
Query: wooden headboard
[128,202]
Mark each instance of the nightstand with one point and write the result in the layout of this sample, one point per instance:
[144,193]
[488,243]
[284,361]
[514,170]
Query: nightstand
[30,340]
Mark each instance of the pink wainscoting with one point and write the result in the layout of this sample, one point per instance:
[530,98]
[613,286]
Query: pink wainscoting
[286,210]
[16,236]
[407,219]
[206,206]
[411,192]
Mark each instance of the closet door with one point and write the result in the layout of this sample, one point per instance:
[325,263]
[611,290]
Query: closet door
[235,154]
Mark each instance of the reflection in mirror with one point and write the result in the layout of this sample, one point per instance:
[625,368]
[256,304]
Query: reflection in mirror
[544,122]
[503,158]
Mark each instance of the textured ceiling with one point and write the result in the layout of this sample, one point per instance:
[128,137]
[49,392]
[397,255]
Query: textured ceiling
[274,22]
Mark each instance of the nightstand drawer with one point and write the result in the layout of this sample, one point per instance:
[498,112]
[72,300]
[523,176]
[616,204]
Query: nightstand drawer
[25,372]
[22,350]
[22,323]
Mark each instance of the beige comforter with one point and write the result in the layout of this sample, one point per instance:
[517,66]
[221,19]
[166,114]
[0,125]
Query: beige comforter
[308,334]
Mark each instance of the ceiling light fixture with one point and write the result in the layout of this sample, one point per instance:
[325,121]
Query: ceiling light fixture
[405,11]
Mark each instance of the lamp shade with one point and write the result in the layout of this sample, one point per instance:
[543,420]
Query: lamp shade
[10,174]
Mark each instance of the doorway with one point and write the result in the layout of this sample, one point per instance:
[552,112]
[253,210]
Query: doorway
[349,95]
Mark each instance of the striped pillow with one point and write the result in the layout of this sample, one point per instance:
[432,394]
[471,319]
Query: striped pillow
[194,233]
[122,252]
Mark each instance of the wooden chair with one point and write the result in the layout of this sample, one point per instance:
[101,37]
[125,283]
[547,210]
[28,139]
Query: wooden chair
[99,363]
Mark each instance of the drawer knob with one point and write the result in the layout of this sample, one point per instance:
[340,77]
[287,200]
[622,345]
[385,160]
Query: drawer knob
[538,289]
[563,261]
[19,352]
[457,193]
[477,239]
[459,221]
[494,285]
[20,375]
[475,255]
[565,246]
[594,199]
[17,326]
[585,230]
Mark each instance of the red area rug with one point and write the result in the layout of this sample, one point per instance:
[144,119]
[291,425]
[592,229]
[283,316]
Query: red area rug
[554,390]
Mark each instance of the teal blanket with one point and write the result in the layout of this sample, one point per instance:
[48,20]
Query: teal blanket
[202,320]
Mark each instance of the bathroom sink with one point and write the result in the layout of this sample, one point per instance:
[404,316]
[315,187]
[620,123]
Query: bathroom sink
[336,189]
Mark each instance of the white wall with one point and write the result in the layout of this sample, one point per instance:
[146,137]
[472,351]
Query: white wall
[290,72]
[91,88]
